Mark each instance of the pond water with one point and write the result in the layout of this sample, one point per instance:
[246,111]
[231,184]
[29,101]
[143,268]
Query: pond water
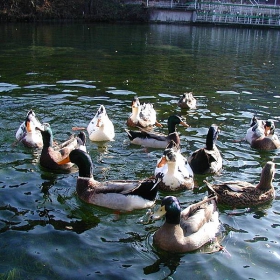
[64,72]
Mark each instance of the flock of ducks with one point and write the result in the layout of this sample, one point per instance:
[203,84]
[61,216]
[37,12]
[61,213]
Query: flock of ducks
[184,230]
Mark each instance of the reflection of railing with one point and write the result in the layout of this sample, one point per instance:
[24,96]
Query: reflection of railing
[238,19]
[238,14]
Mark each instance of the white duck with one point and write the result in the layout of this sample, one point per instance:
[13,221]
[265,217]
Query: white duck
[143,116]
[177,173]
[101,127]
[261,135]
[255,124]
[27,133]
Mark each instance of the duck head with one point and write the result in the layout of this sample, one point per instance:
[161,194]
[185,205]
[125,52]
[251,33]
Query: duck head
[173,121]
[169,155]
[170,207]
[82,160]
[269,128]
[135,102]
[47,134]
[31,122]
[102,117]
[212,136]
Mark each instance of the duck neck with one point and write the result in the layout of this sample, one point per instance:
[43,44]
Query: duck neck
[85,169]
[135,114]
[265,183]
[171,127]
[209,141]
[173,217]
[47,139]
[172,168]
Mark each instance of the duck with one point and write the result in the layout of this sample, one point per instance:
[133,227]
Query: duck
[256,124]
[207,159]
[52,154]
[27,134]
[240,194]
[101,128]
[177,173]
[143,116]
[187,101]
[120,195]
[157,140]
[186,230]
[261,135]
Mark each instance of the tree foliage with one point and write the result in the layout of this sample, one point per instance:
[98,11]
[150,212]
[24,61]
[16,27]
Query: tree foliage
[95,10]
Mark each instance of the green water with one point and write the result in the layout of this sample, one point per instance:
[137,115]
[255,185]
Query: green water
[64,72]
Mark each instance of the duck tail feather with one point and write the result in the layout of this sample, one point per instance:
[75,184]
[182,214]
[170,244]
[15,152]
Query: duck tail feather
[210,189]
[82,137]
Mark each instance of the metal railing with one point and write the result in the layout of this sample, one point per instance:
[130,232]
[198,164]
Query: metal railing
[240,12]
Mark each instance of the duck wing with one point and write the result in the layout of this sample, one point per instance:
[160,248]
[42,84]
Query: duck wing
[198,214]
[184,166]
[21,132]
[118,186]
[145,135]
[146,189]
[74,142]
[237,186]
[213,155]
[233,186]
[148,113]
[200,161]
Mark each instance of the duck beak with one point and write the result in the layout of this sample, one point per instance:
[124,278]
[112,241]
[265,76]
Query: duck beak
[184,124]
[28,126]
[64,161]
[266,130]
[158,213]
[98,123]
[158,124]
[162,162]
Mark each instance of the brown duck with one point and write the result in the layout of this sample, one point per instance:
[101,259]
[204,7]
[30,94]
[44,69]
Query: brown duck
[243,194]
[187,101]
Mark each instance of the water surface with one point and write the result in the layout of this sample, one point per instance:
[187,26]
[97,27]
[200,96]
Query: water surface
[64,72]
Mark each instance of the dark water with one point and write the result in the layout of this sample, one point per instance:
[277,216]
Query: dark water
[64,72]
